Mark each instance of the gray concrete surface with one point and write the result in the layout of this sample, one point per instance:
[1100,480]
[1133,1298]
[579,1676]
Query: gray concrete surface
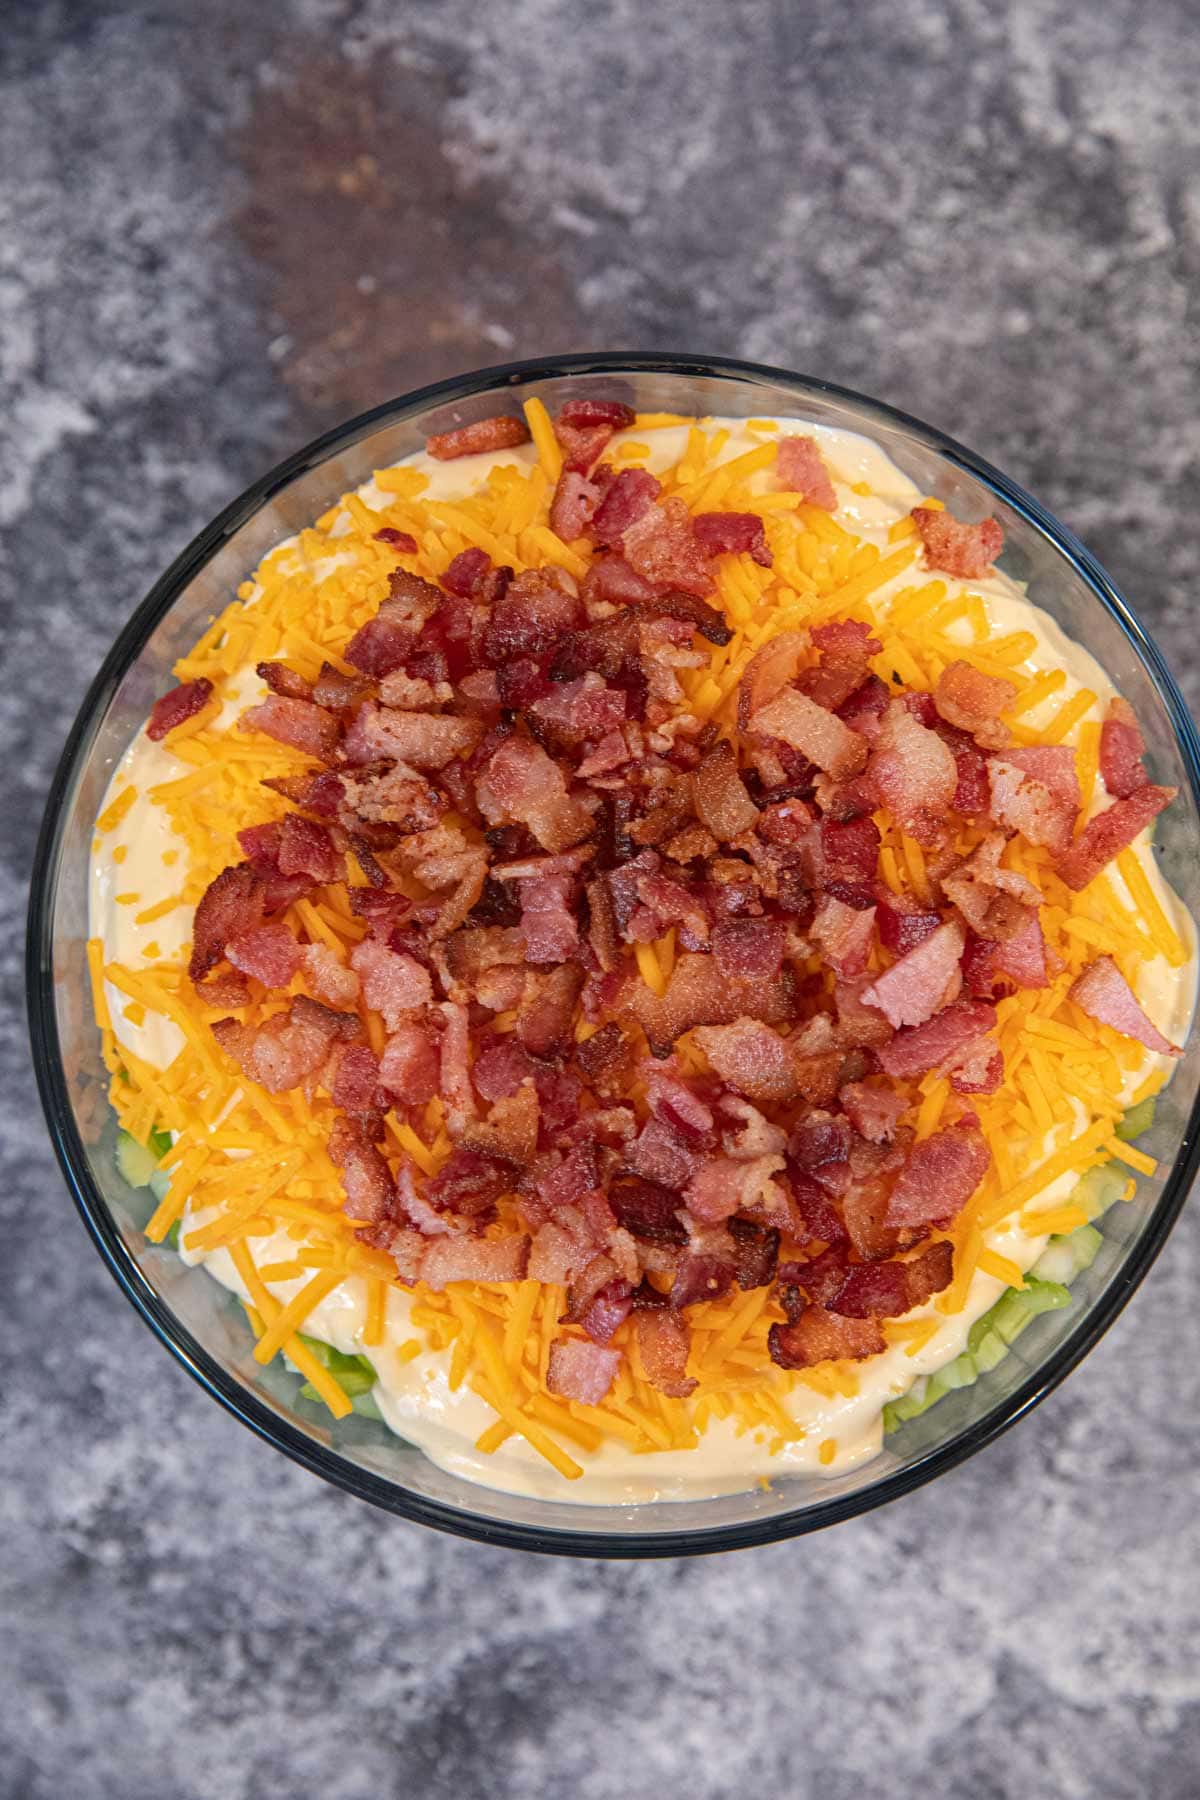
[223,227]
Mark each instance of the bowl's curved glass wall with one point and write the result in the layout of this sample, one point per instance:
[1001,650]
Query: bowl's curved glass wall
[204,1326]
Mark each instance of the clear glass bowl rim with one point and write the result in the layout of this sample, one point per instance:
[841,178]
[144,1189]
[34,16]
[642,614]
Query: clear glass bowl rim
[72,1155]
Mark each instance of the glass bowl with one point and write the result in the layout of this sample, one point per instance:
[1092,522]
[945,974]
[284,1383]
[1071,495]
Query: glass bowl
[197,1319]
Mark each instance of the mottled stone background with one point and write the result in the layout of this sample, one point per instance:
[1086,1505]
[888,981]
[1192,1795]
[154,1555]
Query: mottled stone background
[223,227]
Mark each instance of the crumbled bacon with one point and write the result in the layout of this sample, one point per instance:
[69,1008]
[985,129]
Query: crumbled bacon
[938,1044]
[768,672]
[916,985]
[818,1336]
[721,533]
[464,1258]
[995,902]
[393,984]
[902,925]
[176,705]
[523,785]
[724,1185]
[752,1058]
[585,412]
[800,467]
[548,923]
[886,1290]
[913,773]
[581,1371]
[967,551]
[1110,832]
[1104,994]
[582,709]
[502,432]
[662,1342]
[547,1012]
[231,905]
[297,723]
[575,500]
[306,848]
[973,701]
[698,994]
[283,680]
[844,934]
[1020,801]
[721,800]
[366,1178]
[941,1174]
[817,733]
[402,542]
[289,1047]
[874,1112]
[408,1068]
[1122,748]
[749,948]
[421,740]
[268,952]
[355,1083]
[630,495]
[662,546]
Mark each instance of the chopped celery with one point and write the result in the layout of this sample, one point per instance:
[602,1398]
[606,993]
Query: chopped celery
[1069,1254]
[137,1162]
[987,1345]
[172,1236]
[1097,1189]
[354,1374]
[1139,1118]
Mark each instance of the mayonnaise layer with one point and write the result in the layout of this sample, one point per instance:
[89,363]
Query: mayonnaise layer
[414,1396]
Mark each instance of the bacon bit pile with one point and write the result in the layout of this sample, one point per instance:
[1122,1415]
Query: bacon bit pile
[504,771]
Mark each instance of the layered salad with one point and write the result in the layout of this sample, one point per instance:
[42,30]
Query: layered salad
[634,951]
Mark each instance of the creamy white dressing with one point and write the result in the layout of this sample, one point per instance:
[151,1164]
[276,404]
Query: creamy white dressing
[414,1396]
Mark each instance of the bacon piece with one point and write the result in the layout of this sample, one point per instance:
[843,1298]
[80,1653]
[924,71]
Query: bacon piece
[355,1083]
[582,447]
[610,579]
[393,984]
[629,497]
[468,574]
[283,680]
[995,902]
[446,860]
[973,701]
[330,980]
[575,500]
[844,935]
[752,1058]
[1024,956]
[396,796]
[768,672]
[289,1047]
[914,987]
[721,800]
[1110,832]
[662,1342]
[887,1290]
[581,709]
[850,849]
[1122,748]
[660,1155]
[530,618]
[699,994]
[1104,994]
[608,1308]
[902,925]
[366,1178]
[547,923]
[581,1371]
[230,906]
[509,1132]
[941,1174]
[306,848]
[408,1068]
[522,784]
[732,532]
[547,1015]
[297,723]
[420,740]
[585,412]
[647,1210]
[604,1053]
[819,1336]
[268,952]
[704,1272]
[464,1258]
[176,705]
[724,1185]
[874,1112]
[661,546]
[817,733]
[800,467]
[967,551]
[468,1184]
[502,432]
[474,950]
[401,541]
[500,1068]
[1021,802]
[939,1043]
[913,772]
[224,990]
[749,948]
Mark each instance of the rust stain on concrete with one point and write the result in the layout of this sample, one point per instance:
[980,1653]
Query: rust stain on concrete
[383,265]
